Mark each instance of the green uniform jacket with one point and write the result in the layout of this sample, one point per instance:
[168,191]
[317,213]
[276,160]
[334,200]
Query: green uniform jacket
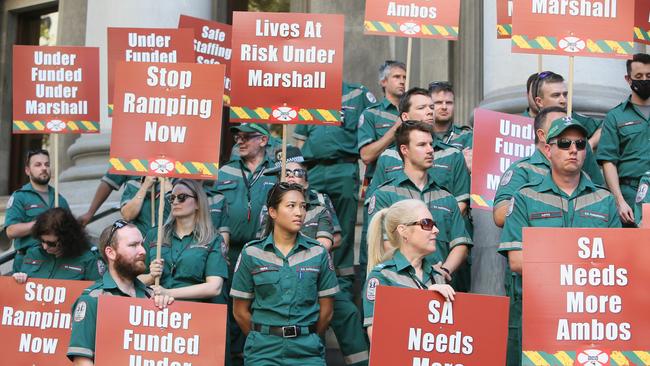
[244,201]
[543,204]
[337,142]
[116,181]
[186,261]
[460,137]
[624,143]
[396,272]
[143,220]
[219,213]
[25,205]
[82,338]
[375,121]
[534,168]
[284,290]
[442,205]
[40,264]
[449,169]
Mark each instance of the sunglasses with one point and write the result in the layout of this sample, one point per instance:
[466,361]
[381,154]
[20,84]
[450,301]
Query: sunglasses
[425,224]
[116,226]
[298,173]
[50,243]
[565,144]
[242,139]
[180,197]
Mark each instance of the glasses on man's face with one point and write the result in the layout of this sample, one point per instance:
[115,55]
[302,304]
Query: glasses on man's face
[50,243]
[565,144]
[180,197]
[298,173]
[116,226]
[242,139]
[425,224]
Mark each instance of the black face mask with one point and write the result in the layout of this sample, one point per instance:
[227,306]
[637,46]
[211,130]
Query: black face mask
[641,88]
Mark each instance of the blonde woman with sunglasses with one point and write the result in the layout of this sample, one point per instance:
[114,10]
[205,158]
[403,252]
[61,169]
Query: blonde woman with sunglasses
[404,259]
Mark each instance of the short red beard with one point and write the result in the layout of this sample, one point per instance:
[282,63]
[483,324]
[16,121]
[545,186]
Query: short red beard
[129,269]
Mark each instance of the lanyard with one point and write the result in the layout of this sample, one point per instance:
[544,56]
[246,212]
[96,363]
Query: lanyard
[417,282]
[180,253]
[248,186]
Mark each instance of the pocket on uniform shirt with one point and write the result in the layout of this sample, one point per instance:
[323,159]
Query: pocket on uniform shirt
[267,283]
[631,127]
[31,266]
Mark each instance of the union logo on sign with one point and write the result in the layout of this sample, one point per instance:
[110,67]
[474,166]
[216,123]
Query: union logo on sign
[161,166]
[409,28]
[572,44]
[592,357]
[284,114]
[56,125]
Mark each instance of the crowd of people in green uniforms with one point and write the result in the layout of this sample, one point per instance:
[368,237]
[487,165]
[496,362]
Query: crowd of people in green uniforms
[280,250]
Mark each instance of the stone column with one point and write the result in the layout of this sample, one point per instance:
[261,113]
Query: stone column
[89,152]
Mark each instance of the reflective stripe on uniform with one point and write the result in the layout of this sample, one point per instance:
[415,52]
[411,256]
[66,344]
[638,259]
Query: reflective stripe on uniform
[231,170]
[510,245]
[534,168]
[351,95]
[459,241]
[328,292]
[241,294]
[367,321]
[80,351]
[547,198]
[343,272]
[263,255]
[392,154]
[590,199]
[382,114]
[405,192]
[356,357]
[324,234]
[462,197]
[444,153]
[405,281]
[305,255]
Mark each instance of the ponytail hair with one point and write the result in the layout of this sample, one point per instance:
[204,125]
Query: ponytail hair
[383,227]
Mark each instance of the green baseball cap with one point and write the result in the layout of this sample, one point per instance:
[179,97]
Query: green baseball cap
[251,128]
[562,124]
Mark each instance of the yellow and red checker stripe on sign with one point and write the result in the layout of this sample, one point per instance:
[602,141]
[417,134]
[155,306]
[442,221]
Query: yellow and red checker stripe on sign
[617,358]
[504,30]
[71,127]
[482,201]
[265,114]
[139,166]
[592,46]
[642,35]
[425,29]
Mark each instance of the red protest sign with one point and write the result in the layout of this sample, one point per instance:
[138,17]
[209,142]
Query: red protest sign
[134,332]
[36,320]
[642,21]
[55,89]
[212,45]
[437,19]
[167,120]
[500,139]
[504,18]
[585,295]
[287,68]
[146,45]
[416,327]
[596,28]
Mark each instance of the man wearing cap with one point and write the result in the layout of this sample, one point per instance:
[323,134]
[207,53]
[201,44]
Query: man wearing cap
[321,223]
[564,198]
[120,245]
[624,150]
[379,122]
[244,187]
[536,166]
[28,202]
[331,156]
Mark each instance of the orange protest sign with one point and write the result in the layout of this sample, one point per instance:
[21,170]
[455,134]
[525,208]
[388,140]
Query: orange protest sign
[642,21]
[596,28]
[167,120]
[134,332]
[585,296]
[504,18]
[146,45]
[55,89]
[417,327]
[500,139]
[36,320]
[437,19]
[287,68]
[212,45]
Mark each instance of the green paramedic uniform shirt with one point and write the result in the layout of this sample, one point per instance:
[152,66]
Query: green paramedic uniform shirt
[84,314]
[38,263]
[284,290]
[460,137]
[375,121]
[625,142]
[396,272]
[144,220]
